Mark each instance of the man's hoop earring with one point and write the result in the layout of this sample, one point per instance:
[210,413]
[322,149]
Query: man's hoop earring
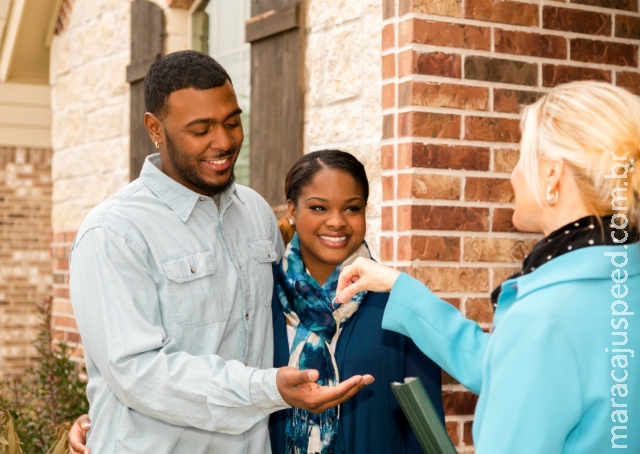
[552,197]
[157,145]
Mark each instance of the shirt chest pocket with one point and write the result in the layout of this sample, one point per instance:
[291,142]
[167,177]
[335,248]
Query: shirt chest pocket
[197,292]
[265,254]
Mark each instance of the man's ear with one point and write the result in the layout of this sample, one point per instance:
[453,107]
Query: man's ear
[154,128]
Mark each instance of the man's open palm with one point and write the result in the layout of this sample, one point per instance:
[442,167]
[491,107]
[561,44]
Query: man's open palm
[299,389]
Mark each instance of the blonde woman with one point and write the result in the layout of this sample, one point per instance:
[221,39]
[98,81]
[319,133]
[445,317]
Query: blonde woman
[559,373]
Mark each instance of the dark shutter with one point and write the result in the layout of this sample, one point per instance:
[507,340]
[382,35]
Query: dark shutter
[147,43]
[276,94]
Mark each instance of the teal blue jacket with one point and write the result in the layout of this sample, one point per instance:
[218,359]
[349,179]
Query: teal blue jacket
[559,373]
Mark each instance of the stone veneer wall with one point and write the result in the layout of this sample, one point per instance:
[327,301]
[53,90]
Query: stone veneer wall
[343,101]
[456,74]
[90,134]
[25,265]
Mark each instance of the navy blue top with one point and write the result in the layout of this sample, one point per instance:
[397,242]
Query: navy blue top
[372,421]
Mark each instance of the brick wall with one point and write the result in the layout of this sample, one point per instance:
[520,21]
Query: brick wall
[25,266]
[456,74]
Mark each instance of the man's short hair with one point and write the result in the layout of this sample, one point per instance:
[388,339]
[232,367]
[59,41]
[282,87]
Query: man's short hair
[179,70]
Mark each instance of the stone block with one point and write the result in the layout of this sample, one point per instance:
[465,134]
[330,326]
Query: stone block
[553,75]
[531,44]
[577,21]
[501,70]
[323,14]
[344,63]
[602,52]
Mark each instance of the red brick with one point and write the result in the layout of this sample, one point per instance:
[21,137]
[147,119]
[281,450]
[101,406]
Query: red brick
[436,94]
[386,248]
[388,188]
[501,274]
[500,70]
[435,156]
[479,310]
[628,5]
[505,159]
[388,36]
[388,96]
[442,187]
[452,279]
[444,34]
[388,126]
[452,431]
[60,292]
[468,433]
[430,64]
[388,158]
[388,66]
[492,129]
[58,237]
[604,52]
[512,101]
[459,402]
[628,27]
[501,220]
[500,250]
[446,378]
[444,249]
[426,124]
[451,8]
[387,219]
[498,190]
[429,217]
[73,337]
[531,44]
[630,81]
[388,9]
[553,75]
[571,20]
[506,12]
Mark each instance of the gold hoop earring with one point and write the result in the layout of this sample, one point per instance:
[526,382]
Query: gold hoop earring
[552,197]
[157,145]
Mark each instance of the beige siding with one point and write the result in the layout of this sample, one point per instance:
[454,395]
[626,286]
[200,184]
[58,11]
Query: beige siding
[25,115]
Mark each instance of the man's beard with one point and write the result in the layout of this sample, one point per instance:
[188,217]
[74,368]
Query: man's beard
[189,172]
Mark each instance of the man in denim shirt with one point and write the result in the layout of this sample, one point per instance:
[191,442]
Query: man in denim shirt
[171,286]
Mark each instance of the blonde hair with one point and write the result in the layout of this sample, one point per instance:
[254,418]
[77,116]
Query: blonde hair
[595,128]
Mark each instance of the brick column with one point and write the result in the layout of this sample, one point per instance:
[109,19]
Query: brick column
[455,76]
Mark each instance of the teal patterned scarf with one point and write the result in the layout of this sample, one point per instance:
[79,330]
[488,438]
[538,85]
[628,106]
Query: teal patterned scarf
[308,308]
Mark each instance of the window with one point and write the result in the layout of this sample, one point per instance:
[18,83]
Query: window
[217,28]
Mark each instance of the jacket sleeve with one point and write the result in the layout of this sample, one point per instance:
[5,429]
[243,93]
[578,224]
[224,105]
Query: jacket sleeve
[530,399]
[115,302]
[442,333]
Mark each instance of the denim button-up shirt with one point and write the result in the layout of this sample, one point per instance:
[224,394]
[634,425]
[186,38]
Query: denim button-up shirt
[172,299]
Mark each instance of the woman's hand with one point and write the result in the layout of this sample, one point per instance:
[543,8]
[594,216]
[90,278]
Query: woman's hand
[364,274]
[78,435]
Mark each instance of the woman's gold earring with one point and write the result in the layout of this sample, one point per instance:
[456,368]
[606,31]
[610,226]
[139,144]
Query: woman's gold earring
[290,221]
[157,145]
[552,197]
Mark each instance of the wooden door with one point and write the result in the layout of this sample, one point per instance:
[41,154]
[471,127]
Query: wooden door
[275,34]
[147,44]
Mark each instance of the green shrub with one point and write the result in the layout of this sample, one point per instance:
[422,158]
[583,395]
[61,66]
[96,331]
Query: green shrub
[46,396]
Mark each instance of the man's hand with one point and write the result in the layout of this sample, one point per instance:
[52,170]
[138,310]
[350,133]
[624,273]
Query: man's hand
[299,389]
[364,274]
[78,435]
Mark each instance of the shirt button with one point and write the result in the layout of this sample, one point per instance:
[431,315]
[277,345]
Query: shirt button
[193,270]
[202,199]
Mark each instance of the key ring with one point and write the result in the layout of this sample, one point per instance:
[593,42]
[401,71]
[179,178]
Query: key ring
[333,303]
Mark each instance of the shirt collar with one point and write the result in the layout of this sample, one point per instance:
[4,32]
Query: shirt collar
[179,198]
